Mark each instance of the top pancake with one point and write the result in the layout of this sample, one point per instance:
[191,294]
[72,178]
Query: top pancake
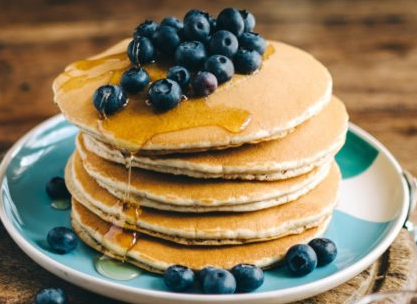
[290,87]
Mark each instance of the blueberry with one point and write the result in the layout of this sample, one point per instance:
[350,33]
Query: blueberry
[166,39]
[62,239]
[109,99]
[325,249]
[145,29]
[248,277]
[197,27]
[173,22]
[221,67]
[301,260]
[253,42]
[230,20]
[51,296]
[195,12]
[223,43]
[164,94]
[219,281]
[246,61]
[213,24]
[57,189]
[205,271]
[140,50]
[248,20]
[204,84]
[191,54]
[134,80]
[180,75]
[178,277]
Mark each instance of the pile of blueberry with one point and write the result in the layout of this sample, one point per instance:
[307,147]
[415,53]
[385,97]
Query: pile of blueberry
[242,278]
[304,258]
[300,260]
[206,52]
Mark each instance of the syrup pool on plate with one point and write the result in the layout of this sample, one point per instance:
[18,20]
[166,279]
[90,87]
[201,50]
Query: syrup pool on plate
[116,270]
[61,204]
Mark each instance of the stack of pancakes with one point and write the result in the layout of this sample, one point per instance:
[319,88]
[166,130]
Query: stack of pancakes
[237,177]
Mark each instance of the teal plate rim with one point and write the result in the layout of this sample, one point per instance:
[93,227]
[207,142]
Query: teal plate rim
[140,295]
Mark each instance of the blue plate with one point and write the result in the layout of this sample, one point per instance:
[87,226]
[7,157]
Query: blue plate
[373,207]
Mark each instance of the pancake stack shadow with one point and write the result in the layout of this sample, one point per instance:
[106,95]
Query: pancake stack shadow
[215,205]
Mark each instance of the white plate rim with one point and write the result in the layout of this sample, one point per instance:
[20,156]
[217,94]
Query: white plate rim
[112,290]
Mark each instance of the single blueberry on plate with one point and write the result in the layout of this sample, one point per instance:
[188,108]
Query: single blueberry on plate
[230,20]
[204,84]
[56,188]
[248,20]
[180,75]
[301,260]
[195,12]
[140,50]
[164,94]
[173,22]
[219,281]
[221,67]
[191,54]
[246,61]
[197,27]
[223,43]
[248,277]
[109,99]
[145,29]
[325,249]
[205,271]
[166,39]
[51,296]
[178,278]
[62,239]
[134,80]
[253,42]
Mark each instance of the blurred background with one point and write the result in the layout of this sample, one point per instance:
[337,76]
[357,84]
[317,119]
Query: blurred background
[370,47]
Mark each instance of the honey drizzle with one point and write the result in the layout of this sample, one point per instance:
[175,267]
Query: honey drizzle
[124,236]
[115,270]
[137,122]
[128,158]
[88,64]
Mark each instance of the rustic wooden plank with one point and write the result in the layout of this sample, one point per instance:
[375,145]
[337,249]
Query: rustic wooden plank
[35,11]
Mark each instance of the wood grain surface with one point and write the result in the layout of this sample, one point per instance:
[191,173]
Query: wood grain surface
[370,47]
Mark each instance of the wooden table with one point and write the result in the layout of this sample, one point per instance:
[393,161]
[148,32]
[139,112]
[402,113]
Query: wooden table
[370,47]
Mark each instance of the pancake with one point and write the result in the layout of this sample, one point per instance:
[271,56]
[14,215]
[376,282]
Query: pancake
[206,229]
[156,255]
[311,145]
[247,109]
[148,188]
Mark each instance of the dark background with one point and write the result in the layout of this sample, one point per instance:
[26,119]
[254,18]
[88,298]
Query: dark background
[368,46]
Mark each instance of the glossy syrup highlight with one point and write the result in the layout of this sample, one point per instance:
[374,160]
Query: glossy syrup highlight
[137,123]
[116,270]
